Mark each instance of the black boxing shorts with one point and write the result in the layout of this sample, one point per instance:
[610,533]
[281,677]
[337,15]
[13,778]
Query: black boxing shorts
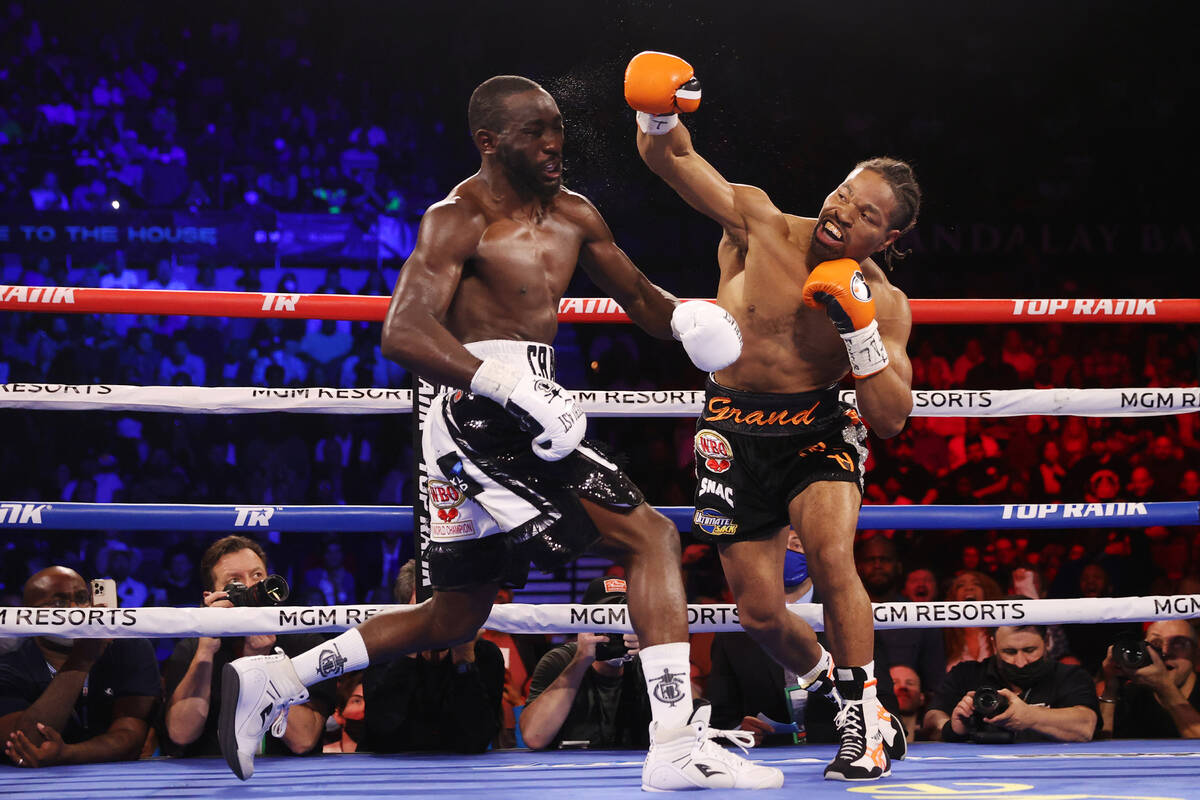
[494,506]
[756,452]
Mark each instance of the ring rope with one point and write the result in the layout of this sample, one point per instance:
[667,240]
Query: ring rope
[361,308]
[572,617]
[25,515]
[1127,402]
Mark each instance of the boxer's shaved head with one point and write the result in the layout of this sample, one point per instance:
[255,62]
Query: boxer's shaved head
[486,110]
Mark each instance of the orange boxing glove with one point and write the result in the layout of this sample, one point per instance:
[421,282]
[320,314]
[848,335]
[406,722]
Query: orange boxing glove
[658,86]
[840,287]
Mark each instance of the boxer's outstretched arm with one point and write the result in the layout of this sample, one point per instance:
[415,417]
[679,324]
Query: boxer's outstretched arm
[648,305]
[736,207]
[885,398]
[414,331]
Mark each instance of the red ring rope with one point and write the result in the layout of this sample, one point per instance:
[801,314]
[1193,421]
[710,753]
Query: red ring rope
[80,300]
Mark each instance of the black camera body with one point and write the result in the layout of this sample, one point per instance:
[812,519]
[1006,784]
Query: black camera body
[988,703]
[270,591]
[1131,653]
[613,648]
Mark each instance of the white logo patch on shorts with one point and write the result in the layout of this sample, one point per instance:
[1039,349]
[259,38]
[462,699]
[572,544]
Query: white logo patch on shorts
[449,531]
[709,486]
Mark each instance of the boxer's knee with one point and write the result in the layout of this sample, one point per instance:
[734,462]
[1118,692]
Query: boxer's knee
[761,616]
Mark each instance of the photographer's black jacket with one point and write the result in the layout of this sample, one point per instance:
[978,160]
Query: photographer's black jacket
[1139,715]
[1067,685]
[608,712]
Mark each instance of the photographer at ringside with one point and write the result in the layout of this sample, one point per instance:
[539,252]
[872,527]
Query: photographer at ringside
[590,692]
[1150,686]
[233,571]
[1020,694]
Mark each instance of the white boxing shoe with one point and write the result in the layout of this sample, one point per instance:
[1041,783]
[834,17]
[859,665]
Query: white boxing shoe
[687,758]
[255,694]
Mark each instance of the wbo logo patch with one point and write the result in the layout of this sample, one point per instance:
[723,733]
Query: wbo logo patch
[714,523]
[714,450]
[445,496]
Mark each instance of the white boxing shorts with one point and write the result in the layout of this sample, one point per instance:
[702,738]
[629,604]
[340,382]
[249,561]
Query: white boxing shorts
[493,505]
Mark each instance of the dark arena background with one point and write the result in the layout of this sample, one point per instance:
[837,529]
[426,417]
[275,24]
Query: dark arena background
[283,150]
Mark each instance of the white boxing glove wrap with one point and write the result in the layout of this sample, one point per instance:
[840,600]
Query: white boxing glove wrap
[866,351]
[656,124]
[495,379]
[708,333]
[540,405]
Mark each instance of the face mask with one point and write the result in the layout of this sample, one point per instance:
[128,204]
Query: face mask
[795,568]
[356,729]
[1027,676]
[60,643]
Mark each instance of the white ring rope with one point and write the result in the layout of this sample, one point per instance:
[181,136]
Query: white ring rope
[1126,402]
[572,618]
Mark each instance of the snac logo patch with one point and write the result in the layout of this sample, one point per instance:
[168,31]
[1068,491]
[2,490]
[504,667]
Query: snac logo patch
[614,585]
[714,450]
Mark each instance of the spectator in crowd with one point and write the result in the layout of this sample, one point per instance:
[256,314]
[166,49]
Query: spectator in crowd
[178,587]
[971,357]
[441,700]
[182,366]
[349,714]
[984,476]
[327,342]
[1164,462]
[1042,699]
[521,653]
[578,695]
[192,675]
[74,701]
[1160,699]
[331,579]
[921,649]
[920,586]
[969,644]
[1015,353]
[165,277]
[47,196]
[1051,474]
[1189,486]
[1089,641]
[132,592]
[910,699]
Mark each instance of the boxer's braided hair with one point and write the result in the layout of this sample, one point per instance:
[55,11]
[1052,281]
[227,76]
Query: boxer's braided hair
[900,177]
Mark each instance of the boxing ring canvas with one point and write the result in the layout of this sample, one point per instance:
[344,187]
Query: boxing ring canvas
[1110,770]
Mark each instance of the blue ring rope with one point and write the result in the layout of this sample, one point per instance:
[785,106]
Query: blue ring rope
[368,519]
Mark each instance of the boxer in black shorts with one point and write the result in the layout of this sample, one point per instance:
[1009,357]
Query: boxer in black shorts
[756,452]
[785,278]
[475,309]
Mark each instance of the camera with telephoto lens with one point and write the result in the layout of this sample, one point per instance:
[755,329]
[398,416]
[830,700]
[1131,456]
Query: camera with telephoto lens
[1131,653]
[988,703]
[270,591]
[613,648]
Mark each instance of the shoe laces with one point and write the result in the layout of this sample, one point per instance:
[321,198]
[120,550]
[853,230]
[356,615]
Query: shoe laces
[280,724]
[854,731]
[742,739]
